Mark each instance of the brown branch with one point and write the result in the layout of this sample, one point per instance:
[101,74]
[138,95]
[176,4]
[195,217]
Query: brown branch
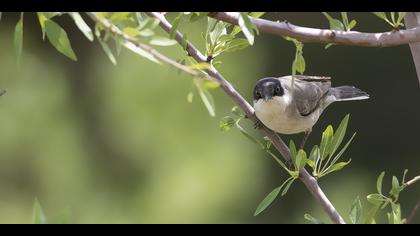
[412,181]
[413,213]
[412,20]
[157,55]
[313,35]
[305,177]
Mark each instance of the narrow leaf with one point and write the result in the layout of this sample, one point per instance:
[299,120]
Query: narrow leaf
[379,182]
[268,200]
[81,24]
[375,199]
[287,186]
[162,41]
[301,159]
[206,97]
[247,27]
[312,219]
[356,211]
[140,51]
[175,23]
[226,123]
[18,39]
[38,216]
[339,134]
[107,51]
[58,38]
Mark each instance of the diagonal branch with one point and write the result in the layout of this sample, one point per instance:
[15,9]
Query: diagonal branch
[157,55]
[312,35]
[305,177]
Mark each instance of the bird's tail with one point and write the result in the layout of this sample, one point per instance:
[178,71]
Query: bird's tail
[347,93]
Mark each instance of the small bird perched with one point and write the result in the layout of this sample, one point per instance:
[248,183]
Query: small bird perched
[288,110]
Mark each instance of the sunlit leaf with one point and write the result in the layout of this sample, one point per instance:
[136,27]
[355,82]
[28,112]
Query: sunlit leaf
[107,51]
[301,159]
[81,24]
[58,38]
[226,123]
[339,134]
[162,41]
[268,200]
[356,210]
[140,51]
[38,216]
[312,219]
[18,39]
[379,182]
[206,97]
[287,186]
[375,199]
[247,27]
[337,166]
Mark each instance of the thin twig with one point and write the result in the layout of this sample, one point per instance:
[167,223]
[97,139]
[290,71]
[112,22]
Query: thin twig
[305,177]
[413,213]
[157,55]
[313,35]
[412,181]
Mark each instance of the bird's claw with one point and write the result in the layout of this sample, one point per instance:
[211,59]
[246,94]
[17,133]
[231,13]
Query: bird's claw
[258,124]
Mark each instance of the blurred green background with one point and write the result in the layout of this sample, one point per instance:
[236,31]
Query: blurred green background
[121,144]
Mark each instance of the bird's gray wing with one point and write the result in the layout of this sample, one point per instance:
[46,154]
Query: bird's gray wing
[308,92]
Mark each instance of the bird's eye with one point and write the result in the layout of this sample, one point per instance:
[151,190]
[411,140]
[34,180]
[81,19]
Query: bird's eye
[277,89]
[258,94]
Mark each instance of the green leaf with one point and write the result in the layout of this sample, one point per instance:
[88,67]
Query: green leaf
[352,24]
[381,15]
[334,23]
[18,39]
[206,97]
[287,186]
[314,153]
[140,51]
[195,16]
[190,97]
[403,178]
[58,38]
[299,63]
[38,216]
[375,198]
[211,84]
[268,200]
[162,41]
[328,45]
[339,134]
[247,27]
[81,24]
[200,66]
[130,31]
[401,17]
[370,218]
[249,136]
[396,213]
[326,141]
[301,159]
[237,111]
[343,149]
[175,23]
[236,44]
[226,123]
[379,182]
[356,210]
[146,33]
[256,14]
[293,151]
[396,188]
[312,219]
[107,51]
[219,30]
[337,166]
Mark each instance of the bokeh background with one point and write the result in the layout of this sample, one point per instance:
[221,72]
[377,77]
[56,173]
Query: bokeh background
[121,144]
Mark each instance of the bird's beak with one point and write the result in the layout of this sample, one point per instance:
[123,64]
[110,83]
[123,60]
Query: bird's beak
[266,98]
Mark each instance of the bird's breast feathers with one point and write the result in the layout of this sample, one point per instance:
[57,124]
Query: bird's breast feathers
[280,115]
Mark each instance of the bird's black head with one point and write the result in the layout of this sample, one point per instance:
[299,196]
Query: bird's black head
[268,88]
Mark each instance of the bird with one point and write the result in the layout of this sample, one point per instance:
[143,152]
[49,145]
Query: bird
[291,106]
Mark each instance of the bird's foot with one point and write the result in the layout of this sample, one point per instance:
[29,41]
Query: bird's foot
[258,124]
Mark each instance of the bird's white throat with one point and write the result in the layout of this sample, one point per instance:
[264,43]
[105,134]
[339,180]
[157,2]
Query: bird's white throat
[277,115]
